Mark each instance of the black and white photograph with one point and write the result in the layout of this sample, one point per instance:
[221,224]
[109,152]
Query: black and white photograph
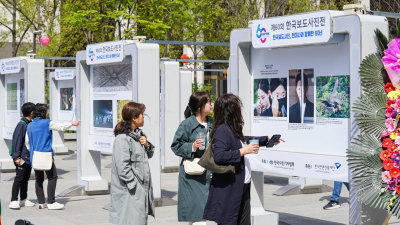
[112,78]
[102,113]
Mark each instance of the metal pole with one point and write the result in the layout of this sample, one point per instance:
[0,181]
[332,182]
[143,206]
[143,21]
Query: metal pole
[34,43]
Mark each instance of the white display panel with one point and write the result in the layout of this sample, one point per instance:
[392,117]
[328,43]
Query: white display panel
[307,128]
[110,89]
[14,98]
[66,100]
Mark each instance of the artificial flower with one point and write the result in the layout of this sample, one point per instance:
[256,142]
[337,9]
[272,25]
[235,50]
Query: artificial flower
[394,172]
[397,141]
[394,136]
[389,112]
[398,190]
[387,164]
[389,103]
[386,142]
[386,176]
[394,154]
[393,95]
[389,87]
[392,56]
[396,164]
[392,184]
[396,159]
[390,124]
[384,155]
[385,133]
[392,147]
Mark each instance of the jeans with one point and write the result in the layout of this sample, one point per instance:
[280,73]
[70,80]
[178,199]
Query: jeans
[51,186]
[21,182]
[337,188]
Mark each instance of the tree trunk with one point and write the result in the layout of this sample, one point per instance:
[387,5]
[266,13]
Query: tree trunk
[14,28]
[166,51]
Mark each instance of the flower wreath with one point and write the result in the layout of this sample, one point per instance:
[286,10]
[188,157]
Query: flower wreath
[374,155]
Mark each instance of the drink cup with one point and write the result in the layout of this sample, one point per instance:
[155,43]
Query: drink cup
[202,137]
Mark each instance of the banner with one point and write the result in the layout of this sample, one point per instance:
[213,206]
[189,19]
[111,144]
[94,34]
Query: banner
[15,98]
[299,29]
[64,74]
[106,52]
[10,65]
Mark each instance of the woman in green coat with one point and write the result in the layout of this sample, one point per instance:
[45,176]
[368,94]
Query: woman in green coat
[193,189]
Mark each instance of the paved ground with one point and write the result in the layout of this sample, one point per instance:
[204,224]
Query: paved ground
[296,210]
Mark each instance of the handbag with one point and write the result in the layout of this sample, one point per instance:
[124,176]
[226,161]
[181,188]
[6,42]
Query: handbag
[207,161]
[41,161]
[192,167]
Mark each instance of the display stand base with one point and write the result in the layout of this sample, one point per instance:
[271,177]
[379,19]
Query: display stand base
[7,166]
[268,181]
[303,185]
[77,190]
[259,217]
[60,150]
[70,157]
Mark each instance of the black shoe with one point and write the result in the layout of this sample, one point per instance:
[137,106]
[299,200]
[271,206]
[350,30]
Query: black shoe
[332,205]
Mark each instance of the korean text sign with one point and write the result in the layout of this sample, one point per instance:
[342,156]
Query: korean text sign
[107,52]
[10,65]
[298,29]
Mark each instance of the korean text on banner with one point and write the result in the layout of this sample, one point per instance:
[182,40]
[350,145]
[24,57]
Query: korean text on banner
[292,30]
[107,52]
[10,65]
[64,74]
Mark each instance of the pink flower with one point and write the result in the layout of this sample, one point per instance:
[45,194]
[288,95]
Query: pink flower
[386,176]
[392,184]
[396,164]
[392,55]
[394,154]
[385,134]
[397,141]
[390,124]
[389,112]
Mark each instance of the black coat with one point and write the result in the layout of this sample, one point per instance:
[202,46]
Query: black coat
[295,112]
[226,190]
[18,142]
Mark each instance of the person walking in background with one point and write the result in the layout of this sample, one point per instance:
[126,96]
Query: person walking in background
[21,158]
[337,189]
[131,191]
[39,138]
[229,200]
[193,189]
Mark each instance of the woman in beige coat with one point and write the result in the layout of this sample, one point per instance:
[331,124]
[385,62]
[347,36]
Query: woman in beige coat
[132,197]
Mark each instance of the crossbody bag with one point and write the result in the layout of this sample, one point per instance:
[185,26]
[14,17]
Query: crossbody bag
[41,161]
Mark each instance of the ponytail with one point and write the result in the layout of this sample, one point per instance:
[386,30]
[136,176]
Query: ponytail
[196,100]
[188,112]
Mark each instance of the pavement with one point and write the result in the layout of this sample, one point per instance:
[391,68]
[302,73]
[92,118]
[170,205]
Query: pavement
[294,210]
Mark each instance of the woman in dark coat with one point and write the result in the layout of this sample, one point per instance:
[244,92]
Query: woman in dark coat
[193,189]
[229,199]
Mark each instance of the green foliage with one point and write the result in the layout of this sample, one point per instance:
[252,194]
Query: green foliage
[324,89]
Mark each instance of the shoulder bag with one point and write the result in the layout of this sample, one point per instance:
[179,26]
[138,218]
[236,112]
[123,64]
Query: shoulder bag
[41,161]
[207,161]
[192,166]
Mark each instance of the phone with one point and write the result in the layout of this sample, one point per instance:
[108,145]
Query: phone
[274,139]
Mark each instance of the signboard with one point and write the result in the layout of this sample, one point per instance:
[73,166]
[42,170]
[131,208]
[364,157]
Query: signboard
[106,52]
[64,74]
[14,98]
[302,94]
[101,143]
[299,29]
[10,65]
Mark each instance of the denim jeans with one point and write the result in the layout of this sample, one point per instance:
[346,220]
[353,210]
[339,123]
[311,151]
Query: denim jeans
[337,188]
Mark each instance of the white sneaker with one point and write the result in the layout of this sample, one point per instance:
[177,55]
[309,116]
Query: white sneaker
[41,206]
[55,206]
[26,202]
[14,205]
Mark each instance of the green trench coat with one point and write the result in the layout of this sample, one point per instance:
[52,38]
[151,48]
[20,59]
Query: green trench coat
[193,189]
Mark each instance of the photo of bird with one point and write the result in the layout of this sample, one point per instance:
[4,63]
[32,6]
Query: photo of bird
[330,106]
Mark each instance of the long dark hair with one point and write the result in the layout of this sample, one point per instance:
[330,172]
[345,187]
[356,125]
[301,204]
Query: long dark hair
[129,111]
[197,100]
[228,110]
[40,111]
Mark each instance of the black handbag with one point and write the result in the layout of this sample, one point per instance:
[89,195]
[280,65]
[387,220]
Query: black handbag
[207,161]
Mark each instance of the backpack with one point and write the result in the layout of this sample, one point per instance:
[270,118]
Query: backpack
[10,152]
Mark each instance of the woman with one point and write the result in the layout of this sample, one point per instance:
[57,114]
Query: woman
[39,137]
[303,107]
[193,189]
[229,199]
[271,98]
[132,197]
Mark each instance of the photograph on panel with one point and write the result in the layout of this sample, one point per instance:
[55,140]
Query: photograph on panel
[21,94]
[102,113]
[308,96]
[120,105]
[112,78]
[12,96]
[66,98]
[270,97]
[333,96]
[295,96]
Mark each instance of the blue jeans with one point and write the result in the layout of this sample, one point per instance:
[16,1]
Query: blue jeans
[337,188]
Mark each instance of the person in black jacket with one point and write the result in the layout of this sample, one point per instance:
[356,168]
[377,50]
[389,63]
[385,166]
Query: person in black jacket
[228,202]
[297,111]
[21,157]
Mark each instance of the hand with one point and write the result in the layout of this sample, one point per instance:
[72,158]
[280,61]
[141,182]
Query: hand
[249,149]
[197,144]
[258,108]
[76,123]
[143,141]
[275,106]
[279,141]
[17,161]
